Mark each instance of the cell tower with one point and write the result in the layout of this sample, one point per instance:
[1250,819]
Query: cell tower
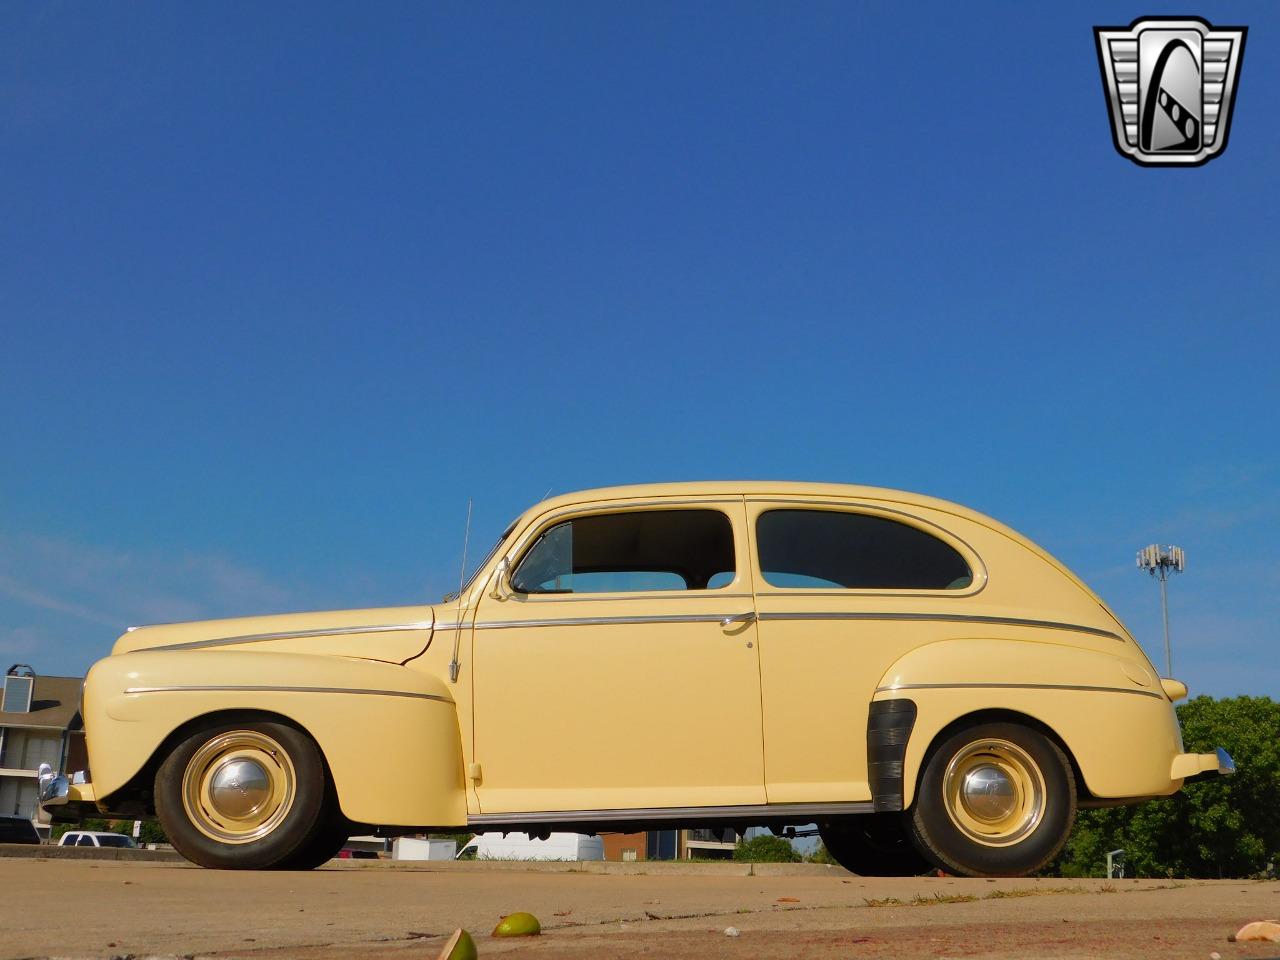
[1160,561]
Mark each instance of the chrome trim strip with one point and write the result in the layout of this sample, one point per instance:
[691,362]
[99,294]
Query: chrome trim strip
[1014,686]
[947,617]
[716,617]
[271,688]
[295,635]
[601,621]
[715,593]
[800,812]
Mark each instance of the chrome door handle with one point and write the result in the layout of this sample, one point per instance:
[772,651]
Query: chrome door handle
[748,617]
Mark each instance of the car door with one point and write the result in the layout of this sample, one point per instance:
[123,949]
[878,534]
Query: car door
[603,676]
[842,591]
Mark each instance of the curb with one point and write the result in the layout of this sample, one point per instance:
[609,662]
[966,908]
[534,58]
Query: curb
[48,851]
[638,868]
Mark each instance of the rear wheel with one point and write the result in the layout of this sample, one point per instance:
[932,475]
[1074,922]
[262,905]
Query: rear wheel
[873,845]
[242,795]
[995,800]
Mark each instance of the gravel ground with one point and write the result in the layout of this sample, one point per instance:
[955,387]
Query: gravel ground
[69,908]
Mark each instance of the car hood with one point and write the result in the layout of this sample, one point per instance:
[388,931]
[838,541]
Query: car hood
[391,634]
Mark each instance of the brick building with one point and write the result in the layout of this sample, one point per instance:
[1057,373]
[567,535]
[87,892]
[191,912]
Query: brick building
[669,845]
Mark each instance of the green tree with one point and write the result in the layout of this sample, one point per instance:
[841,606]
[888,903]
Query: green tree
[1218,827]
[151,832]
[822,855]
[765,848]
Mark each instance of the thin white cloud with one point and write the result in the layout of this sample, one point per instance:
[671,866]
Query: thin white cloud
[62,585]
[34,597]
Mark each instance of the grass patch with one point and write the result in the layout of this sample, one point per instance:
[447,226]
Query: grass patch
[1032,892]
[919,901]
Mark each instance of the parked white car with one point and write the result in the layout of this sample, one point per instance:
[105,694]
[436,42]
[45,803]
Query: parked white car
[520,846]
[95,838]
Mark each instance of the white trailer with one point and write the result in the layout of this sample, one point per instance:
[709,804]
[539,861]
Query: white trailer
[411,848]
[520,846]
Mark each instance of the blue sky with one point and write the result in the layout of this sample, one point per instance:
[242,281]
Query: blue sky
[282,286]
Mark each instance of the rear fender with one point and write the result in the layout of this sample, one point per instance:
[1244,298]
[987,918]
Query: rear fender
[1107,710]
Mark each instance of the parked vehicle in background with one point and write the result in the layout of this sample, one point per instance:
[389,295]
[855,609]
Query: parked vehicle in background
[521,846]
[95,838]
[18,830]
[926,685]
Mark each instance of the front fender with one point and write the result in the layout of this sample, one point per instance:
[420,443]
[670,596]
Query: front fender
[389,735]
[1107,709]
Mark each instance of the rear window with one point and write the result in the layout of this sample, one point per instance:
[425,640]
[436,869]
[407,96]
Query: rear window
[830,549]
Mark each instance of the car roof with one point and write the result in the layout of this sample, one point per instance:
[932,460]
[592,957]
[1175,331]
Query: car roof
[769,488]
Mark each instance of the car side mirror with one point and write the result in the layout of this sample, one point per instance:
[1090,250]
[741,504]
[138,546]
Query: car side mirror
[500,590]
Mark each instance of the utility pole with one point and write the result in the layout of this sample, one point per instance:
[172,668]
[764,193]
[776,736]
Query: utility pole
[1160,561]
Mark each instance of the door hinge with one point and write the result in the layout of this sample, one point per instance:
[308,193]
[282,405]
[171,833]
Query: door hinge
[473,771]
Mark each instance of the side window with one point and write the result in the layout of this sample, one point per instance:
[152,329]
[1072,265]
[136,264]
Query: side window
[828,549]
[69,839]
[85,841]
[628,552]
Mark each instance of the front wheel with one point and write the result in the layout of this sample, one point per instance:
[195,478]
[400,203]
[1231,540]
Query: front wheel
[995,800]
[242,795]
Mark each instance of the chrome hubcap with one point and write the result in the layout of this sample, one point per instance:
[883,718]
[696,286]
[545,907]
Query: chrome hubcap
[994,792]
[238,786]
[988,794]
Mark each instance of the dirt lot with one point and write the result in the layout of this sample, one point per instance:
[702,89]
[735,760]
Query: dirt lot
[70,908]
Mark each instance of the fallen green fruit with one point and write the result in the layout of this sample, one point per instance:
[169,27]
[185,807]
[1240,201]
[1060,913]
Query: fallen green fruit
[459,947]
[518,925]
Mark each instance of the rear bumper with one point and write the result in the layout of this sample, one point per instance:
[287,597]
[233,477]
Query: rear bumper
[1193,765]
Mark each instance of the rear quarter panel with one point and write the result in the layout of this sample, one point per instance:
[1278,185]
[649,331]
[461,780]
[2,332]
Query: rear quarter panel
[1105,707]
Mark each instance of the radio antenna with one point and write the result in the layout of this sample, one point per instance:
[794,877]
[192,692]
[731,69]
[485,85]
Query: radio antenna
[462,582]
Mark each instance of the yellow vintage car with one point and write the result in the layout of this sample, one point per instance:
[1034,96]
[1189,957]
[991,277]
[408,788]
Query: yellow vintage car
[925,684]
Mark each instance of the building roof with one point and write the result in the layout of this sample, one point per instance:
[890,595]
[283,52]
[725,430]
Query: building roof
[55,705]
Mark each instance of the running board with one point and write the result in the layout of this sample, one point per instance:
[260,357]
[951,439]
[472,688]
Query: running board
[787,812]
